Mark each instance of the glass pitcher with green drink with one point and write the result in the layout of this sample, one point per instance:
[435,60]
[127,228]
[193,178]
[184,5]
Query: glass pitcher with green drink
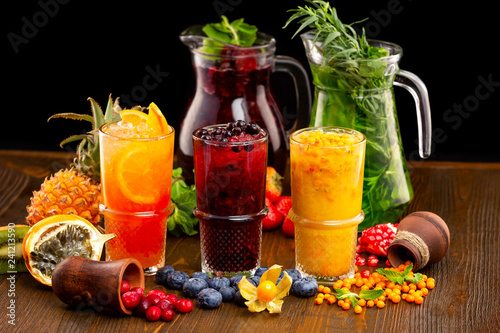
[354,79]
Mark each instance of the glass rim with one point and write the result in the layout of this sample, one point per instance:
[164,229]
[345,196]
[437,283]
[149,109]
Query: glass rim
[322,128]
[228,143]
[268,43]
[120,138]
[396,56]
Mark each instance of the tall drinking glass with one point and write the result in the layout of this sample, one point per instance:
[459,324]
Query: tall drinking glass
[327,165]
[230,175]
[136,171]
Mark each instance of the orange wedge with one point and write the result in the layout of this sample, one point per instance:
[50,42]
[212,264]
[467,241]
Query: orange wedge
[133,178]
[157,121]
[134,117]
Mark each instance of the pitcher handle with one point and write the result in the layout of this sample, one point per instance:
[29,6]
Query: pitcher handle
[302,89]
[418,90]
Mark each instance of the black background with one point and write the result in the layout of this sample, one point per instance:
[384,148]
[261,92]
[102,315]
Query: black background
[59,53]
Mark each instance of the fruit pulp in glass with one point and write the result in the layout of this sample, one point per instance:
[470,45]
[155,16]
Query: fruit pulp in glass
[230,187]
[136,170]
[327,167]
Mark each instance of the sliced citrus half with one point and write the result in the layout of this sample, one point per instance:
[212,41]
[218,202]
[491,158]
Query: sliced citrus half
[133,172]
[135,117]
[157,121]
[57,237]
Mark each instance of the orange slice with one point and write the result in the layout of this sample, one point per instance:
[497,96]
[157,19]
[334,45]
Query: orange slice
[157,121]
[133,177]
[57,237]
[134,117]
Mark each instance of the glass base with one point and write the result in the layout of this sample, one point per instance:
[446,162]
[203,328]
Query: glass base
[212,274]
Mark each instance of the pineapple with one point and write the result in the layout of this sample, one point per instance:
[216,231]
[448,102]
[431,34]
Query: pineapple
[77,189]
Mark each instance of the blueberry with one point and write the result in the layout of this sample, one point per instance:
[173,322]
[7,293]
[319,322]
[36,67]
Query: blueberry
[235,279]
[162,274]
[175,280]
[293,273]
[227,294]
[305,287]
[261,270]
[255,280]
[238,299]
[193,286]
[240,123]
[237,149]
[218,282]
[200,275]
[248,147]
[209,298]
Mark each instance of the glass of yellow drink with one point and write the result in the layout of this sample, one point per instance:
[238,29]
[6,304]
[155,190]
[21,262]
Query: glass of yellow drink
[327,165]
[136,173]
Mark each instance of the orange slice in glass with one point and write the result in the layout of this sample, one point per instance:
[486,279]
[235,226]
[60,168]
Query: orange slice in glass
[133,176]
[157,121]
[134,117]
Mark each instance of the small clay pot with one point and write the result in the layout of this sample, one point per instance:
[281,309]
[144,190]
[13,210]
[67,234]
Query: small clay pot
[85,283]
[422,237]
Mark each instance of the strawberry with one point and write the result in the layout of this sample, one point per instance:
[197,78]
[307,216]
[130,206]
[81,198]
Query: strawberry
[288,227]
[274,184]
[273,218]
[283,205]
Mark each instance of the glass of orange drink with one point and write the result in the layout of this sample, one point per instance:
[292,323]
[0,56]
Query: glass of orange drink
[136,176]
[327,165]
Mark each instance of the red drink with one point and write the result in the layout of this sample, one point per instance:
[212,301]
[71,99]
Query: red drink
[230,168]
[234,86]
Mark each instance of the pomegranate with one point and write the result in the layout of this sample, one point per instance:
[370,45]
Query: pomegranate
[376,239]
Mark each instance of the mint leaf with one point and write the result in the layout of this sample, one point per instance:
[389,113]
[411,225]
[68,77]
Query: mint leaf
[415,278]
[371,294]
[391,275]
[182,221]
[236,32]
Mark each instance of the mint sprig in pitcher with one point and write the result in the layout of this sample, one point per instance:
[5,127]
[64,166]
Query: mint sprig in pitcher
[353,79]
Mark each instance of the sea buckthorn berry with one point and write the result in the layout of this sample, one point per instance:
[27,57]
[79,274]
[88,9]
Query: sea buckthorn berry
[390,285]
[401,267]
[411,292]
[419,300]
[396,298]
[346,288]
[430,284]
[419,293]
[331,300]
[362,302]
[340,303]
[318,301]
[381,298]
[405,289]
[412,286]
[365,287]
[359,282]
[403,296]
[320,288]
[370,303]
[358,309]
[347,301]
[421,284]
[410,298]
[327,290]
[320,295]
[424,291]
[346,306]
[408,262]
[380,304]
[396,291]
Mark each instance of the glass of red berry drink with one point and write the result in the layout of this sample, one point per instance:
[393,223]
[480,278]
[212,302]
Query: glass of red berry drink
[230,170]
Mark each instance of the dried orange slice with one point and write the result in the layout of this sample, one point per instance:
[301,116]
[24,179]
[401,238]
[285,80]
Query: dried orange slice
[134,117]
[133,178]
[57,237]
[157,121]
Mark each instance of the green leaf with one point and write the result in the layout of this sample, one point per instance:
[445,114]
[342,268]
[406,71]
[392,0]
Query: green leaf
[73,116]
[237,32]
[182,221]
[96,113]
[73,138]
[371,294]
[391,275]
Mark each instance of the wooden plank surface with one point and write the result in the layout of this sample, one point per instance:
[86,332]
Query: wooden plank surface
[465,195]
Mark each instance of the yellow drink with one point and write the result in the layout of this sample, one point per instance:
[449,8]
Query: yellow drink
[327,166]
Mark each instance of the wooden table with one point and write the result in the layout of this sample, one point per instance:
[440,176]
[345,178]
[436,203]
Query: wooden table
[466,195]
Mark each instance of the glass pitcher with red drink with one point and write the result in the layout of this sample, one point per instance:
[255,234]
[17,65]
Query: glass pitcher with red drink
[233,83]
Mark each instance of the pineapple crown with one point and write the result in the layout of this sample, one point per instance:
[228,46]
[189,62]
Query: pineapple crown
[87,160]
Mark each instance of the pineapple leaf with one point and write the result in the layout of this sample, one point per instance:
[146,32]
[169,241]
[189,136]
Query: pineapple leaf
[74,116]
[109,114]
[73,138]
[96,113]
